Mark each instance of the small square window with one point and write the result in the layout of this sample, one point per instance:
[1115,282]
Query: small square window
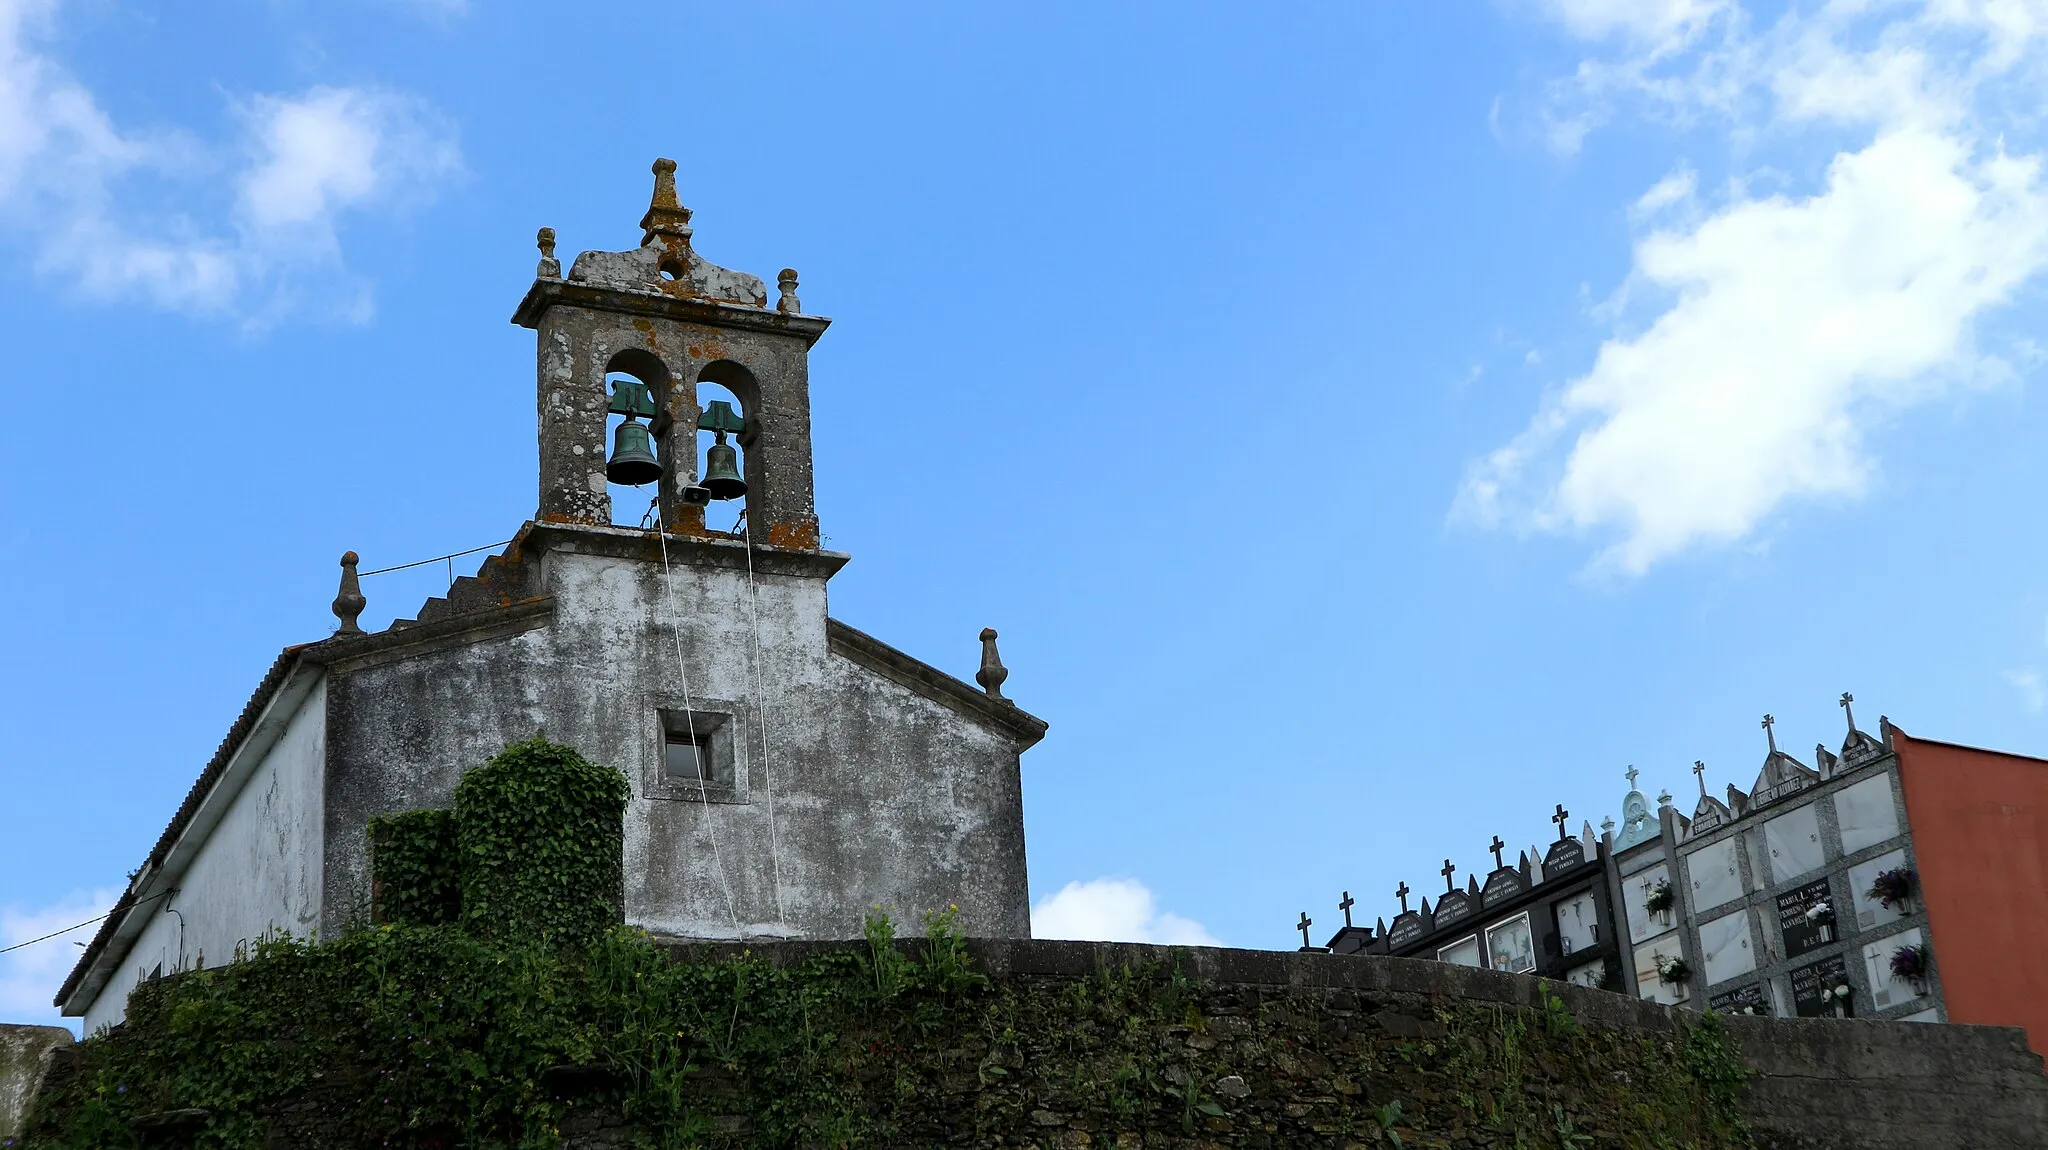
[685,756]
[692,754]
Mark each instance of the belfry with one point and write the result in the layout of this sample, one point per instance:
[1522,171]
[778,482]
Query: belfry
[788,772]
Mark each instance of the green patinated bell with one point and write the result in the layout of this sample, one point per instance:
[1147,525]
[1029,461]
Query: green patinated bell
[722,471]
[633,462]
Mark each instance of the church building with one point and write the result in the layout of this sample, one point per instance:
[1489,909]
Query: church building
[788,772]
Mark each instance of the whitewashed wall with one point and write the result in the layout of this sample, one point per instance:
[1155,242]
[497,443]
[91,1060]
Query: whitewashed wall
[257,872]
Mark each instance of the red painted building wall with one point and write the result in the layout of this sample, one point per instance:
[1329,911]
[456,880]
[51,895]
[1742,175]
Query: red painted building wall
[1980,834]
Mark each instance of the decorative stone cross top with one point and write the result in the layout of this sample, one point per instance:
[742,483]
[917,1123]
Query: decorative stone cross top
[1303,926]
[1447,872]
[992,672]
[349,601]
[1401,892]
[1847,699]
[1632,773]
[1559,819]
[1699,771]
[1345,906]
[549,267]
[1496,847]
[1769,735]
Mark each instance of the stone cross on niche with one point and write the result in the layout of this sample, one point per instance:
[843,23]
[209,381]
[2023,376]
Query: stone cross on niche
[1847,699]
[1303,926]
[1632,773]
[1559,819]
[1346,906]
[1447,872]
[1401,892]
[1769,734]
[1699,771]
[1496,847]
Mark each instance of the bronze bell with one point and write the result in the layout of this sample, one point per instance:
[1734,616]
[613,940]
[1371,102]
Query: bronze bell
[633,462]
[722,471]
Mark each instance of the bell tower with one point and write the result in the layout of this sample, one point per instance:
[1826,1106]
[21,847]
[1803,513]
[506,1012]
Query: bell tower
[668,320]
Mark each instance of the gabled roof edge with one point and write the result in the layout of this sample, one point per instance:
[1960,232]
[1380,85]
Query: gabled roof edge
[934,684]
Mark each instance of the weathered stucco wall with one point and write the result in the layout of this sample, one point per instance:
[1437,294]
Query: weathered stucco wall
[257,872]
[878,794]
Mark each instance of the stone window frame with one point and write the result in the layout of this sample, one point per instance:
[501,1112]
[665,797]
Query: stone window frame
[719,724]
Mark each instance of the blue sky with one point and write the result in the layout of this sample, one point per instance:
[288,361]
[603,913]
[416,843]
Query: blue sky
[1367,424]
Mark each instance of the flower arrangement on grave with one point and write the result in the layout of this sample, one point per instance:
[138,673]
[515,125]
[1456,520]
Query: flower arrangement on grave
[1897,885]
[1660,898]
[1672,970]
[1820,912]
[1841,999]
[1910,963]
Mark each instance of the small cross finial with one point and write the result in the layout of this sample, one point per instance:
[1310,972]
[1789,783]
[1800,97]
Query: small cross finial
[1496,846]
[349,603]
[1345,906]
[1559,819]
[1447,872]
[1847,699]
[1770,735]
[1699,771]
[1632,773]
[1401,892]
[787,303]
[1303,926]
[992,671]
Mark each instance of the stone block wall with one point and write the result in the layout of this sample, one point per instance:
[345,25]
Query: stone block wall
[1827,1084]
[1079,1046]
[21,1068]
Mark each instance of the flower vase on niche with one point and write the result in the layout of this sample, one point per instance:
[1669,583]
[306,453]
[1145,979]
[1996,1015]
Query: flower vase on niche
[1658,903]
[1896,888]
[1910,964]
[1839,1000]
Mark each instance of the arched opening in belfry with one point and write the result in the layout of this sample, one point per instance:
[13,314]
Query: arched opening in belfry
[636,386]
[726,396]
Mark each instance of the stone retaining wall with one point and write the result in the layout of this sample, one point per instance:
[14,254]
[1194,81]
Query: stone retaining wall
[21,1066]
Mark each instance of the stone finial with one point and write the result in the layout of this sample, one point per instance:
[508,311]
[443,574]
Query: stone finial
[666,215]
[550,268]
[992,671]
[788,304]
[349,603]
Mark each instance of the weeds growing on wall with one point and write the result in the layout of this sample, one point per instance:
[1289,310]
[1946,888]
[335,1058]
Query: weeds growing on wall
[412,868]
[541,845]
[431,1037]
[535,1021]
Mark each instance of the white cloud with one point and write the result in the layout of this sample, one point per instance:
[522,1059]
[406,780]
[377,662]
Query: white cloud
[2033,692]
[1674,189]
[245,227]
[1790,322]
[1113,910]
[29,977]
[1660,24]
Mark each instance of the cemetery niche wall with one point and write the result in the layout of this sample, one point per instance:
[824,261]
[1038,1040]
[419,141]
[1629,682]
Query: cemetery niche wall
[1794,898]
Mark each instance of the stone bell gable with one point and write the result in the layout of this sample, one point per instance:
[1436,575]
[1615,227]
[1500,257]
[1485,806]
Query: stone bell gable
[788,772]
